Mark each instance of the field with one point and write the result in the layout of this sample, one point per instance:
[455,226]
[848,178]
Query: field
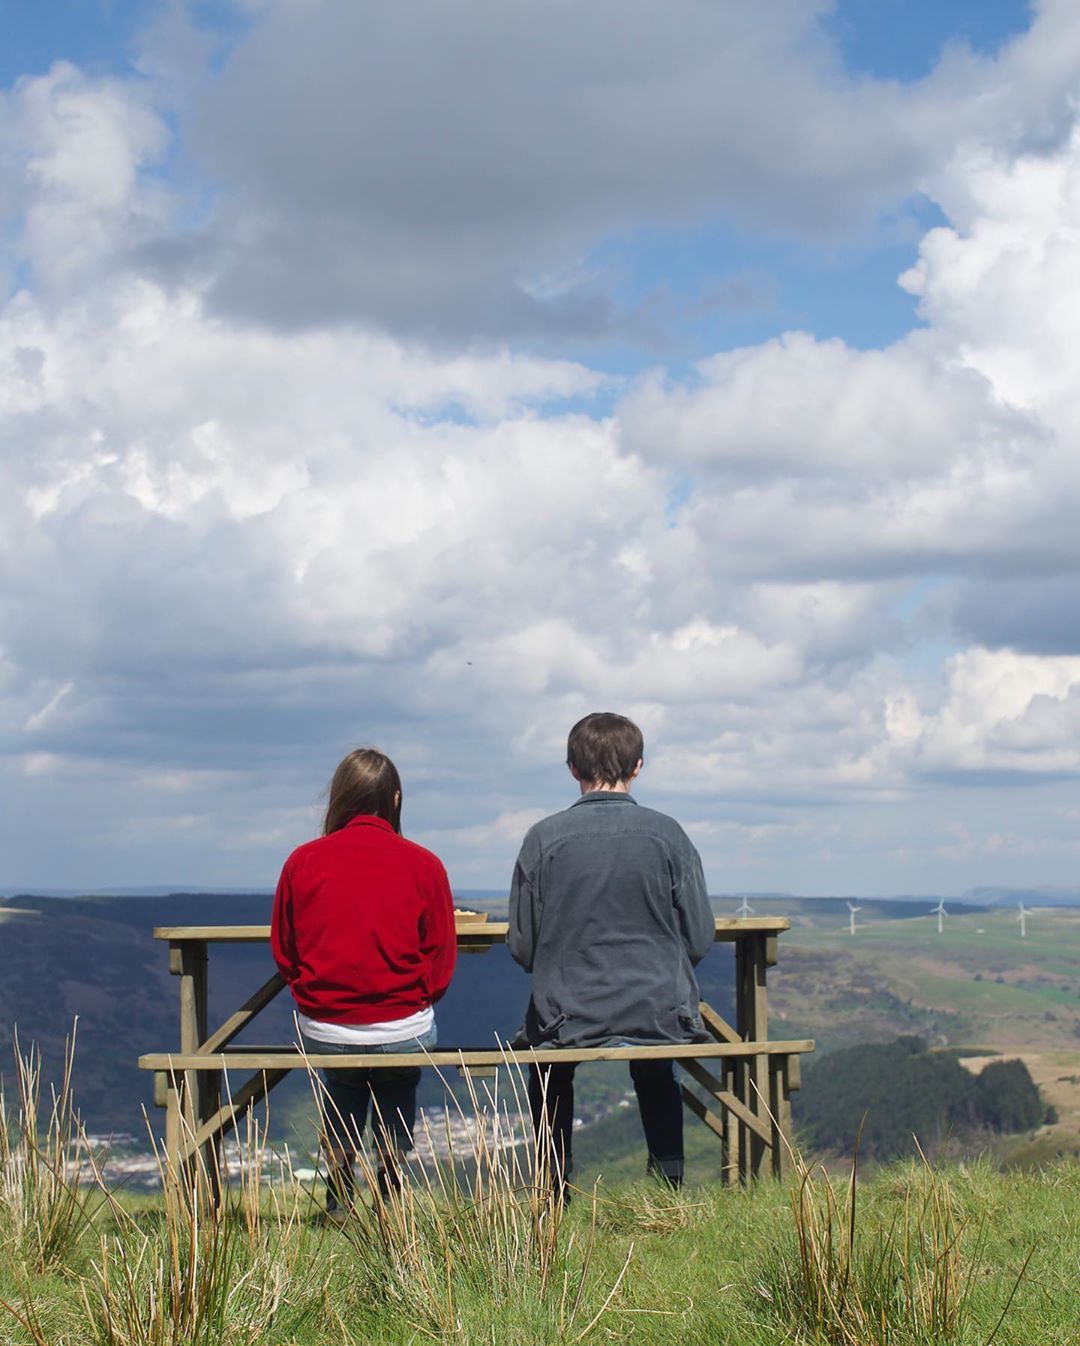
[934,1261]
[978,974]
[976,985]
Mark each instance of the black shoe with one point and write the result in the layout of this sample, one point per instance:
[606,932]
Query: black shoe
[655,1169]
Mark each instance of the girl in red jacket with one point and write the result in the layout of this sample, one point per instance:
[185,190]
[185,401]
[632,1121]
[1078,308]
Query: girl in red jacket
[363,932]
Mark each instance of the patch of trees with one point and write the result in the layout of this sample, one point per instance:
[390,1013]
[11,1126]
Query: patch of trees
[897,1090]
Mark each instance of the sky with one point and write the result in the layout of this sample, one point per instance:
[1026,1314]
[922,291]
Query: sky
[430,375]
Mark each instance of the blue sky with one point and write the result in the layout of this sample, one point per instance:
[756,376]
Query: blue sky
[99,35]
[903,39]
[416,375]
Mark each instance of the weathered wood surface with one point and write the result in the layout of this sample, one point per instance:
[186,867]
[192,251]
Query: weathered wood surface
[728,929]
[752,1025]
[235,1024]
[291,1058]
[716,1089]
[751,1089]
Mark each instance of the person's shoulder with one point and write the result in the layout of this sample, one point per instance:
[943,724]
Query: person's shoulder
[546,830]
[305,852]
[419,855]
[663,824]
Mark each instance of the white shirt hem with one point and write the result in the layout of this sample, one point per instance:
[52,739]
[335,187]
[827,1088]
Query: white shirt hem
[369,1035]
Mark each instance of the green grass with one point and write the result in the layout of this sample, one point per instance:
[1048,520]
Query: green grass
[478,1252]
[707,1266]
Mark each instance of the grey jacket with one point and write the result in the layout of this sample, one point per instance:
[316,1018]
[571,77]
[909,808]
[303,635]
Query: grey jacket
[608,911]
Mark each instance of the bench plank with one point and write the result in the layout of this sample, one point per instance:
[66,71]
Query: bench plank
[291,1058]
[479,932]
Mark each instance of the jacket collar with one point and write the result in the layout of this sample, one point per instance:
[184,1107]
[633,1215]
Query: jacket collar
[604,797]
[369,820]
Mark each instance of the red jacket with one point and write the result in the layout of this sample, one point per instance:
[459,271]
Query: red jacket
[363,926]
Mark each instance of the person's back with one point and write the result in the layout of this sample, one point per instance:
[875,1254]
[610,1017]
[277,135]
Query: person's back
[609,919]
[363,933]
[608,911]
[364,929]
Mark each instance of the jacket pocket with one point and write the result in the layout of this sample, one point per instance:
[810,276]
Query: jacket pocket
[691,1023]
[536,1031]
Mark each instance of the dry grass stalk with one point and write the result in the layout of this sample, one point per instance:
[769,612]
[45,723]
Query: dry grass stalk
[653,1210]
[486,1220]
[206,1269]
[43,1210]
[908,1283]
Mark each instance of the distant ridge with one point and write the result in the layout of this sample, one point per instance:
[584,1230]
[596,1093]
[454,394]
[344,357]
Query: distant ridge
[1049,895]
[771,896]
[142,890]
[190,890]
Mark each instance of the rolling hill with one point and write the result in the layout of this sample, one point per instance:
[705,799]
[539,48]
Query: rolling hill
[978,984]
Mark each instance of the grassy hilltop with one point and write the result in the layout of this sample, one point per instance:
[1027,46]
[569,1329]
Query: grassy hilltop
[478,1251]
[935,1259]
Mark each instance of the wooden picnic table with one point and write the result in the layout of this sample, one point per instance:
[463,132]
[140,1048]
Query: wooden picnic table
[751,1088]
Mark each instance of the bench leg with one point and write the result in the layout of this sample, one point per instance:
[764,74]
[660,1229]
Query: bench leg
[741,1166]
[727,1139]
[758,1071]
[209,1155]
[200,1095]
[171,1175]
[780,1138]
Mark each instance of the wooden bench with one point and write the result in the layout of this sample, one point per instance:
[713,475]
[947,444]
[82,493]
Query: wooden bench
[750,1082]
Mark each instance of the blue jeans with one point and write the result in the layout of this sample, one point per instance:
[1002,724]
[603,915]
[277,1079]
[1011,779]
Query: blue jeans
[350,1090]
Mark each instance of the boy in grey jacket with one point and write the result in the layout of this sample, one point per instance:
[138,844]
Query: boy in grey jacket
[608,911]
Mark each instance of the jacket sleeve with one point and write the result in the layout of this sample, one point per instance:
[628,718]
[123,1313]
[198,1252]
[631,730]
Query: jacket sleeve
[696,918]
[282,929]
[525,904]
[438,936]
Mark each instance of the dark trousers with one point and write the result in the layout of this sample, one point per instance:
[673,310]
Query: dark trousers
[349,1093]
[551,1101]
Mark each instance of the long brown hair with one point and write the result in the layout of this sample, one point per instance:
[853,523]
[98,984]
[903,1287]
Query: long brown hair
[366,781]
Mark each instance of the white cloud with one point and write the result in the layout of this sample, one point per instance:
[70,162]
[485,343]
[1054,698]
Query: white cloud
[1005,712]
[230,551]
[797,407]
[999,283]
[71,151]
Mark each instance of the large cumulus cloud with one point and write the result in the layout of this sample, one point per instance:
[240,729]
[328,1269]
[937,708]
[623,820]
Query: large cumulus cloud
[833,583]
[446,170]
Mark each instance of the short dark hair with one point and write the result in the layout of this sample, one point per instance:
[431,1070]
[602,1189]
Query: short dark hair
[604,748]
[366,781]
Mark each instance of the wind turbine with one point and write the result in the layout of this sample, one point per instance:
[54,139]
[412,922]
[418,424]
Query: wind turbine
[852,909]
[939,911]
[744,908]
[1025,912]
